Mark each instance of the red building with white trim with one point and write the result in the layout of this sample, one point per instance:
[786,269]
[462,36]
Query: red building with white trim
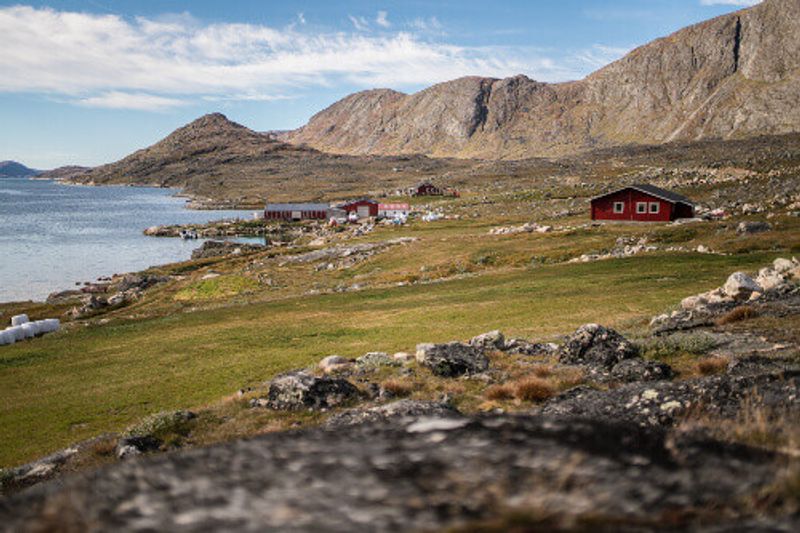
[641,203]
[363,208]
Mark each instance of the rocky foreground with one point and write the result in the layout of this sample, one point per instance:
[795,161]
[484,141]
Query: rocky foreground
[633,443]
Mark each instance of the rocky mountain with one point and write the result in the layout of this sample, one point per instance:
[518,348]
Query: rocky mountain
[12,169]
[731,77]
[224,163]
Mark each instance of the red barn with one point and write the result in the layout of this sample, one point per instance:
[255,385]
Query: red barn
[641,203]
[363,208]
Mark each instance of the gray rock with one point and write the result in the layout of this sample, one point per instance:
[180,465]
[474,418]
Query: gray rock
[663,403]
[523,347]
[376,360]
[749,227]
[633,370]
[132,446]
[595,345]
[298,390]
[493,340]
[740,286]
[410,475]
[335,363]
[452,359]
[398,409]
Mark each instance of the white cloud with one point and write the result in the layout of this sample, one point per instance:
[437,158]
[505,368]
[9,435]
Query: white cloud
[156,64]
[741,3]
[383,19]
[429,24]
[301,18]
[359,23]
[135,101]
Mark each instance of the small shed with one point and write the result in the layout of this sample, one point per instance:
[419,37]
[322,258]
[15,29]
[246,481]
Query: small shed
[427,188]
[363,208]
[300,211]
[393,210]
[641,203]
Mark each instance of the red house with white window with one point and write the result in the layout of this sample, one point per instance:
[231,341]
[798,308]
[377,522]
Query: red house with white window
[363,208]
[641,203]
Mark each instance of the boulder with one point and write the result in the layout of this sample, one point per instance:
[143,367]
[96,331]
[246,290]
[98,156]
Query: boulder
[633,370]
[770,279]
[376,360]
[132,446]
[749,227]
[740,286]
[523,347]
[335,363]
[493,340]
[395,410]
[782,266]
[403,357]
[452,359]
[299,390]
[598,346]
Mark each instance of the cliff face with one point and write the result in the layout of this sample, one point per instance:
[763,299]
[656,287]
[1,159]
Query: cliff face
[730,77]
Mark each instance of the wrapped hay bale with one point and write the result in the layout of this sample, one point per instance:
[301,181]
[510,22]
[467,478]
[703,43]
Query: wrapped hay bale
[7,337]
[17,332]
[29,330]
[18,320]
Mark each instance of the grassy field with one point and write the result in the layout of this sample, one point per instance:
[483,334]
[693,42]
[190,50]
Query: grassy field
[66,387]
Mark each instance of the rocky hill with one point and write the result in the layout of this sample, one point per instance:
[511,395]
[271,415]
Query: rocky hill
[731,77]
[12,169]
[219,161]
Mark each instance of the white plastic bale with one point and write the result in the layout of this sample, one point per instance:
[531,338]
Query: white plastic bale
[28,329]
[6,338]
[18,320]
[17,332]
[38,327]
[52,324]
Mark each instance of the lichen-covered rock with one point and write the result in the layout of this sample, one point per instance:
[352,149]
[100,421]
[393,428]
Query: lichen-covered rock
[595,345]
[749,227]
[493,340]
[133,446]
[663,403]
[452,359]
[523,347]
[414,474]
[376,360]
[299,390]
[633,370]
[398,409]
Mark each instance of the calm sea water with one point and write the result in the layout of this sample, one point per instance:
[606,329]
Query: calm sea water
[52,235]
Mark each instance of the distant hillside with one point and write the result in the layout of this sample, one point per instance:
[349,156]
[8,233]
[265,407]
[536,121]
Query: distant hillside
[732,77]
[216,159]
[12,169]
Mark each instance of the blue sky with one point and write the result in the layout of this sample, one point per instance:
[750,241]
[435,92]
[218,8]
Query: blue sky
[89,81]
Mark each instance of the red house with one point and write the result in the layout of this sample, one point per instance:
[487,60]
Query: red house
[427,189]
[363,208]
[641,203]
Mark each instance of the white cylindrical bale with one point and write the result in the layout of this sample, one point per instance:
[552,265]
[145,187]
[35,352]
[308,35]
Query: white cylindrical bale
[29,330]
[6,338]
[52,324]
[18,320]
[17,332]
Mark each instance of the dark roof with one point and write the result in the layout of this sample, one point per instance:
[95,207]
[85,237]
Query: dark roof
[652,190]
[296,207]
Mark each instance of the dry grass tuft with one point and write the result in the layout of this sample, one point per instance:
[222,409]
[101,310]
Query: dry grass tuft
[712,365]
[397,387]
[737,314]
[543,371]
[534,389]
[499,392]
[103,448]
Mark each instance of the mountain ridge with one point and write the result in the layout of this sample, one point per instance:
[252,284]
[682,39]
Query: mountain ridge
[733,76]
[13,169]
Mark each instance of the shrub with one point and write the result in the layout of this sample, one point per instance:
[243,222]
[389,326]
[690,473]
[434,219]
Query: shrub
[161,424]
[712,365]
[737,314]
[534,389]
[499,392]
[396,387]
[679,343]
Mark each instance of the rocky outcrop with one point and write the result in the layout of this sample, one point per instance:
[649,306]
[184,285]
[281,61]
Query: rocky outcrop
[452,359]
[417,475]
[597,346]
[401,409]
[730,77]
[298,390]
[222,248]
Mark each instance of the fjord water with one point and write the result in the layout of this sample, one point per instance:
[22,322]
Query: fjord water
[54,235]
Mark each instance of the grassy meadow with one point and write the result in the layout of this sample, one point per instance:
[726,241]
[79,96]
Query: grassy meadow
[96,378]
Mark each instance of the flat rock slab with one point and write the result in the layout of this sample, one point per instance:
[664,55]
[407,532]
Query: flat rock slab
[423,474]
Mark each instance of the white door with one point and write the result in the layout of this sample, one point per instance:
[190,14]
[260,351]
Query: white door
[363,211]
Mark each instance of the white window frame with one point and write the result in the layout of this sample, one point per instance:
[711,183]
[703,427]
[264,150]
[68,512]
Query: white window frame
[655,208]
[619,208]
[641,208]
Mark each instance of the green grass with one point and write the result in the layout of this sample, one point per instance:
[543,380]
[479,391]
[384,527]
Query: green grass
[69,386]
